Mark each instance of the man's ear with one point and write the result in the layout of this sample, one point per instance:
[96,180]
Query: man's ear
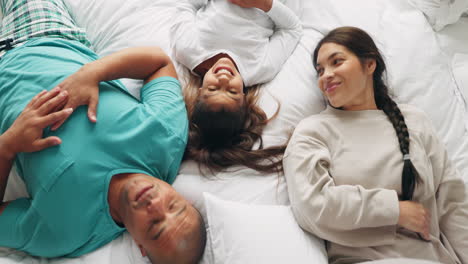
[142,250]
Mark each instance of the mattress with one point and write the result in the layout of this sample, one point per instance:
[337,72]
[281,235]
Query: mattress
[424,70]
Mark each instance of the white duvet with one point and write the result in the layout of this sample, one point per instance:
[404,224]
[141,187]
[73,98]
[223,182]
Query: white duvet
[420,73]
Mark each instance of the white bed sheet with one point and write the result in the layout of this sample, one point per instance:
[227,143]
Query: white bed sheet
[418,74]
[453,40]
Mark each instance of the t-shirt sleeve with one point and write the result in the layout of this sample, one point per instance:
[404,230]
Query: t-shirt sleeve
[163,98]
[338,213]
[17,223]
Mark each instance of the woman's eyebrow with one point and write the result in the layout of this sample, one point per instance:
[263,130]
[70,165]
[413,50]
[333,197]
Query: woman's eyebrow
[331,57]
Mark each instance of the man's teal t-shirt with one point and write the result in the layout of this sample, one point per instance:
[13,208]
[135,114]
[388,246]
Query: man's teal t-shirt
[68,212]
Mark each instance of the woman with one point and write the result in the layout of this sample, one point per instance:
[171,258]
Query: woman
[368,175]
[231,47]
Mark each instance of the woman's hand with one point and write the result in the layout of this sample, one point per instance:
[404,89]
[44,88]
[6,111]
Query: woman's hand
[25,135]
[264,5]
[416,218]
[83,89]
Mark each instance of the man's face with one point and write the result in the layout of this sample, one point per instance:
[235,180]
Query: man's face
[159,219]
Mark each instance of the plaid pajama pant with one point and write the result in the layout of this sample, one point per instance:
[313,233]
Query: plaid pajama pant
[26,19]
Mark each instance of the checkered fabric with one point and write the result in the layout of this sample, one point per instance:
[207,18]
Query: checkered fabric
[26,19]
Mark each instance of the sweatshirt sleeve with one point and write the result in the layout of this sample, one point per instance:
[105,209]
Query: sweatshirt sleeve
[184,37]
[287,34]
[451,196]
[346,214]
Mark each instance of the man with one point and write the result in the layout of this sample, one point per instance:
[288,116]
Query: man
[99,177]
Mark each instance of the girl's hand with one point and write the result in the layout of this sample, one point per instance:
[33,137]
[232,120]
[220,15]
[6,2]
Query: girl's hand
[416,218]
[83,89]
[264,5]
[25,135]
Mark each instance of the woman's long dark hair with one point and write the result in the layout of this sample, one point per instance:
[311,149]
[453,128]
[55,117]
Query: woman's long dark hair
[361,44]
[220,139]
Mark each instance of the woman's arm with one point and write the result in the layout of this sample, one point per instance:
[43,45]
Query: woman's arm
[144,63]
[25,135]
[451,194]
[338,213]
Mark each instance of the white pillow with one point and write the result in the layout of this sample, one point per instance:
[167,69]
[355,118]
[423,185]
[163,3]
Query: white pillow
[400,261]
[460,70]
[237,184]
[261,234]
[441,13]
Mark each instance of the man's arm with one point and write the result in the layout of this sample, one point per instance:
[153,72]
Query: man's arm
[6,162]
[25,135]
[143,63]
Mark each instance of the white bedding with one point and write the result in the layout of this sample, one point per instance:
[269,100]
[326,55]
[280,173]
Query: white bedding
[420,73]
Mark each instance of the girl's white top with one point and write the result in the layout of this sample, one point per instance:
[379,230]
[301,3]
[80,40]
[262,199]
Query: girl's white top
[259,42]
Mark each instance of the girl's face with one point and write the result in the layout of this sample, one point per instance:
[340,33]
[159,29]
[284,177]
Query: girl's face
[344,80]
[223,86]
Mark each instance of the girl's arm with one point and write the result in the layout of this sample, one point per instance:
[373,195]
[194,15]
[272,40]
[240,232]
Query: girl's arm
[264,5]
[288,32]
[185,44]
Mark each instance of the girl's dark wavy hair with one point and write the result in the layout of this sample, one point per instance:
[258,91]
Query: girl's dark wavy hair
[224,138]
[361,44]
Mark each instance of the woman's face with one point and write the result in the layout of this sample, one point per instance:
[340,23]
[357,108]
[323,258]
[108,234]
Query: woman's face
[344,80]
[223,86]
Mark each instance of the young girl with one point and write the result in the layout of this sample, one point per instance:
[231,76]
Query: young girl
[368,175]
[231,46]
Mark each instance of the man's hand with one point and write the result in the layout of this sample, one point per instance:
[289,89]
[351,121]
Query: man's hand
[264,5]
[83,89]
[143,63]
[416,218]
[25,135]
